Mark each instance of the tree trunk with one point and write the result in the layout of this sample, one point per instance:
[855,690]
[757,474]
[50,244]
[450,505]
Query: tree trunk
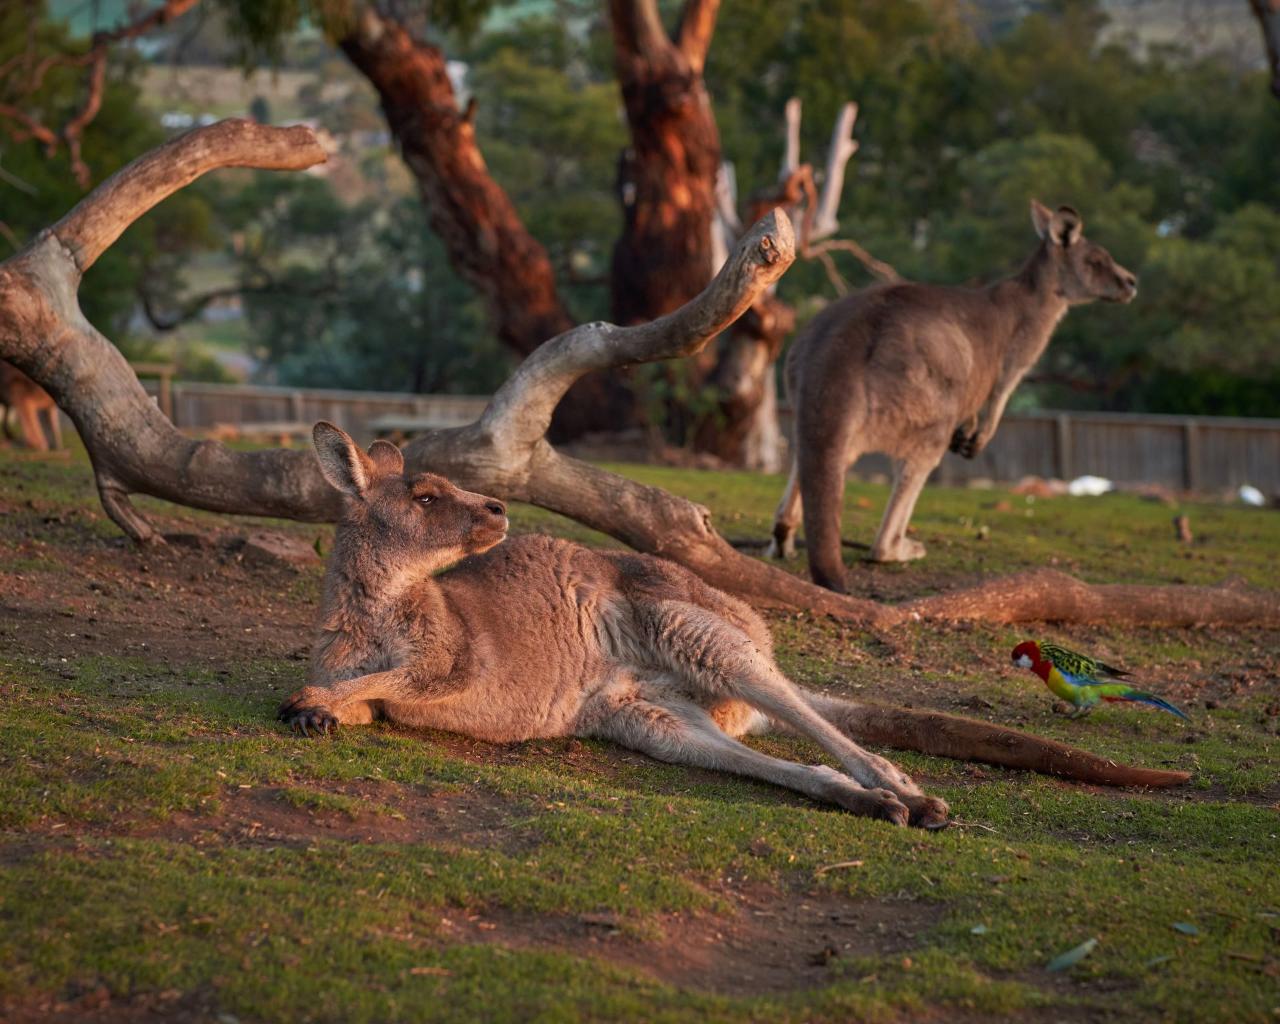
[1268,15]
[487,242]
[743,428]
[666,177]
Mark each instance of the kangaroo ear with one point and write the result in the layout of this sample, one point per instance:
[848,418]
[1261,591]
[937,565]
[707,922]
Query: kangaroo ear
[1041,217]
[341,461]
[386,458]
[1067,226]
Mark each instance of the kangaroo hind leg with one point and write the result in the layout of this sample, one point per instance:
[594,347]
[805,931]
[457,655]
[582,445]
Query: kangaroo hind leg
[787,517]
[716,660]
[655,720]
[892,543]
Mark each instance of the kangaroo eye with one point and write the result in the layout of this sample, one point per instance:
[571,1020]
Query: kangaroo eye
[426,499]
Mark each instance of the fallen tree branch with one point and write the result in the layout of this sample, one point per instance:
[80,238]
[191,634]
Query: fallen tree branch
[134,449]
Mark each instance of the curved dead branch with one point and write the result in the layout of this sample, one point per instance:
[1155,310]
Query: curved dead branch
[967,739]
[134,449]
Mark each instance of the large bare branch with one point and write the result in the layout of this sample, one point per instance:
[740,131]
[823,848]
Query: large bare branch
[521,410]
[843,146]
[96,222]
[134,449]
[697,26]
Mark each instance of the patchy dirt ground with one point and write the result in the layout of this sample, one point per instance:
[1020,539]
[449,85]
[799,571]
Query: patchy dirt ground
[168,853]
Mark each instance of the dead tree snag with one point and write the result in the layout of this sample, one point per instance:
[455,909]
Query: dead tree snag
[135,450]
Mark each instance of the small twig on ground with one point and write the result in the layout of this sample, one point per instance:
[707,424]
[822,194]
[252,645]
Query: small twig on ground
[836,867]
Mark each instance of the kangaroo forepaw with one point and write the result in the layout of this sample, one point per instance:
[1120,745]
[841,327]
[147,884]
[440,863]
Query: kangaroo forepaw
[310,721]
[928,812]
[305,713]
[958,440]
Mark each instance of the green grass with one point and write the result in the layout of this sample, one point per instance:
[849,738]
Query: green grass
[162,839]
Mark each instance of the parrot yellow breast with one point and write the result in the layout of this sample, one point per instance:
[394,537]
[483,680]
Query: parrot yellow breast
[1060,686]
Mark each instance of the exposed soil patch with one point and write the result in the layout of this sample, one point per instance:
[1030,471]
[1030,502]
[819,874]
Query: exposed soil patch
[362,812]
[97,1006]
[770,942]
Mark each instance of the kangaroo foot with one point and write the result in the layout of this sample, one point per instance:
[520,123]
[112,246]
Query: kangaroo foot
[868,803]
[785,549]
[305,713]
[927,811]
[783,542]
[905,550]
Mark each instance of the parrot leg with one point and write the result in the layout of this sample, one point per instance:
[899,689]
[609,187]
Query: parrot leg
[1081,711]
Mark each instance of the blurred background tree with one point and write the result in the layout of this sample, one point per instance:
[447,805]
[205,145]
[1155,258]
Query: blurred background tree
[1153,119]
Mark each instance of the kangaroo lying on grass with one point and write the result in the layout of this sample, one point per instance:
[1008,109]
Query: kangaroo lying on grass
[540,638]
[910,369]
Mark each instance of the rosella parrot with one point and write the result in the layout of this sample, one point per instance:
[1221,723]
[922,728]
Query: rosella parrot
[1080,680]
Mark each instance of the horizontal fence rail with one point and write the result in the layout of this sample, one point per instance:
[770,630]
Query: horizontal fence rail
[1198,453]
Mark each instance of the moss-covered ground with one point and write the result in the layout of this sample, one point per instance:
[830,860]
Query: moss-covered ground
[168,852]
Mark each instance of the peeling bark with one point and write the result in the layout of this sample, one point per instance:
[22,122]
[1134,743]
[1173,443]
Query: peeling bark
[667,176]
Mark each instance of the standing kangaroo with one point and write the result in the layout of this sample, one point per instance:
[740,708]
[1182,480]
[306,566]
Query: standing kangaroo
[29,399]
[910,369]
[540,638]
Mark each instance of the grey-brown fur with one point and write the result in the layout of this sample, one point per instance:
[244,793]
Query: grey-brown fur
[537,637]
[912,369]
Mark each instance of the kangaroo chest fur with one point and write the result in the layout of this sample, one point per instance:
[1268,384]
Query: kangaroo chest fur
[518,640]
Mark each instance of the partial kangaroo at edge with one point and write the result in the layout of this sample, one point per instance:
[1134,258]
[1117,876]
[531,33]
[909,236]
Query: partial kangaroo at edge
[20,393]
[912,369]
[538,637]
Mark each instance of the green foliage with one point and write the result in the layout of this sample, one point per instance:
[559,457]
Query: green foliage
[356,296]
[1160,154]
[37,189]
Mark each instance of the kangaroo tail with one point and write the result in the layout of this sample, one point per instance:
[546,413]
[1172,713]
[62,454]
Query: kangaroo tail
[968,739]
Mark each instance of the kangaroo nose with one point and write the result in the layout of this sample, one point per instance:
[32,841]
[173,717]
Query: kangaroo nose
[496,507]
[1129,281]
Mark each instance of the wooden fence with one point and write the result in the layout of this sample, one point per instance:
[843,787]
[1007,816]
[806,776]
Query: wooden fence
[1199,453]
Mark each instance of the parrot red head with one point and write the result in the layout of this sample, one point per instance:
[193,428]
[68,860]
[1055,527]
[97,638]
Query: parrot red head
[1026,654]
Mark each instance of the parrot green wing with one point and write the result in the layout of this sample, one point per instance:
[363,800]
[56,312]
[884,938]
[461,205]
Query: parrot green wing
[1080,668]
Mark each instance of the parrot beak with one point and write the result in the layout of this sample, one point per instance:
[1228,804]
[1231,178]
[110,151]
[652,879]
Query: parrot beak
[1022,661]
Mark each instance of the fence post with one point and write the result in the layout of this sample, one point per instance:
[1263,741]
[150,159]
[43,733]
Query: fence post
[1191,455]
[1062,446]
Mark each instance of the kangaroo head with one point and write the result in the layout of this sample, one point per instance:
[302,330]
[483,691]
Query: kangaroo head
[414,522]
[1083,271]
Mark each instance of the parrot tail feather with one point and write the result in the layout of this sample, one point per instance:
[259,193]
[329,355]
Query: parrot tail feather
[1139,697]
